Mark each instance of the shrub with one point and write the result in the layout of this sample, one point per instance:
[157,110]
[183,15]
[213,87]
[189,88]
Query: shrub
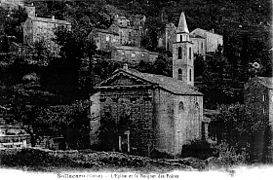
[228,156]
[199,148]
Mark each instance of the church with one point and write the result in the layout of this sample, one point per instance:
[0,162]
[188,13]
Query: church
[166,112]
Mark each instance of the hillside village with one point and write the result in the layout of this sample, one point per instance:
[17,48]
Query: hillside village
[126,86]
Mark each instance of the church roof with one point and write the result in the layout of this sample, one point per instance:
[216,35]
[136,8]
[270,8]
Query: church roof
[170,84]
[182,25]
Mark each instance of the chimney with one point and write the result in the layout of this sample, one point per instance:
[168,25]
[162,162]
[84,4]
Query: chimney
[125,66]
[53,18]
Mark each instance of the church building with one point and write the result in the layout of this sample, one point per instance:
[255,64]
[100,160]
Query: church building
[164,112]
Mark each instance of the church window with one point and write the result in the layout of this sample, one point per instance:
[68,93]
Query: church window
[190,53]
[181,106]
[179,74]
[190,74]
[133,55]
[263,97]
[130,35]
[181,38]
[179,52]
[196,105]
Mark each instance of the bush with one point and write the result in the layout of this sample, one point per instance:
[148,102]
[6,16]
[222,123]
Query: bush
[228,156]
[199,149]
[158,154]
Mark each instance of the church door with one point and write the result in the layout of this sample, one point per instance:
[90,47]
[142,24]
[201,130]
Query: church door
[124,142]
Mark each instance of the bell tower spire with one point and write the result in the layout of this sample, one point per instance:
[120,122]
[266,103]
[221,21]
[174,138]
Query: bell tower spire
[183,66]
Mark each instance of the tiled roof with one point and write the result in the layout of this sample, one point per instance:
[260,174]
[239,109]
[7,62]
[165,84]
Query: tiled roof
[172,85]
[266,81]
[133,48]
[205,31]
[107,31]
[196,36]
[58,21]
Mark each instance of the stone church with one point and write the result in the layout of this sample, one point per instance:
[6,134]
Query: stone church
[167,112]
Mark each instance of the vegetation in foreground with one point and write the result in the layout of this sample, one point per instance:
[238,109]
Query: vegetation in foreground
[33,159]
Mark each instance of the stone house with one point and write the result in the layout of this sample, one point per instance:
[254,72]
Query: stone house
[258,95]
[212,40]
[129,32]
[105,39]
[39,28]
[133,55]
[137,21]
[168,38]
[166,112]
[203,41]
[198,45]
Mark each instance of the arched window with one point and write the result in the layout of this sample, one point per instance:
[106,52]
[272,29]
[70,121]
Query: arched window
[190,53]
[179,74]
[196,105]
[181,105]
[179,52]
[190,74]
[181,38]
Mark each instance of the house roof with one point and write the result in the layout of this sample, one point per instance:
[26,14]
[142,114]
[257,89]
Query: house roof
[133,48]
[266,81]
[106,31]
[50,20]
[205,31]
[167,83]
[196,36]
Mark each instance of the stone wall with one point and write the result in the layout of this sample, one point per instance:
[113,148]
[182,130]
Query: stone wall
[212,40]
[105,41]
[138,105]
[133,55]
[175,126]
[42,28]
[164,132]
[199,46]
[94,118]
[188,120]
[184,63]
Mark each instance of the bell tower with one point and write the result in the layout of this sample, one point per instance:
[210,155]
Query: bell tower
[183,66]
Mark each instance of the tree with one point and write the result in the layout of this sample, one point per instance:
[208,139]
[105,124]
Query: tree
[110,129]
[76,55]
[68,121]
[162,65]
[41,54]
[12,22]
[154,28]
[240,126]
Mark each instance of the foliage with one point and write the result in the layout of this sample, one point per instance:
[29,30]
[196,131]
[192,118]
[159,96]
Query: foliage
[41,53]
[104,68]
[198,149]
[228,155]
[161,66]
[76,58]
[240,125]
[154,27]
[219,81]
[69,121]
[110,129]
[11,23]
[46,160]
